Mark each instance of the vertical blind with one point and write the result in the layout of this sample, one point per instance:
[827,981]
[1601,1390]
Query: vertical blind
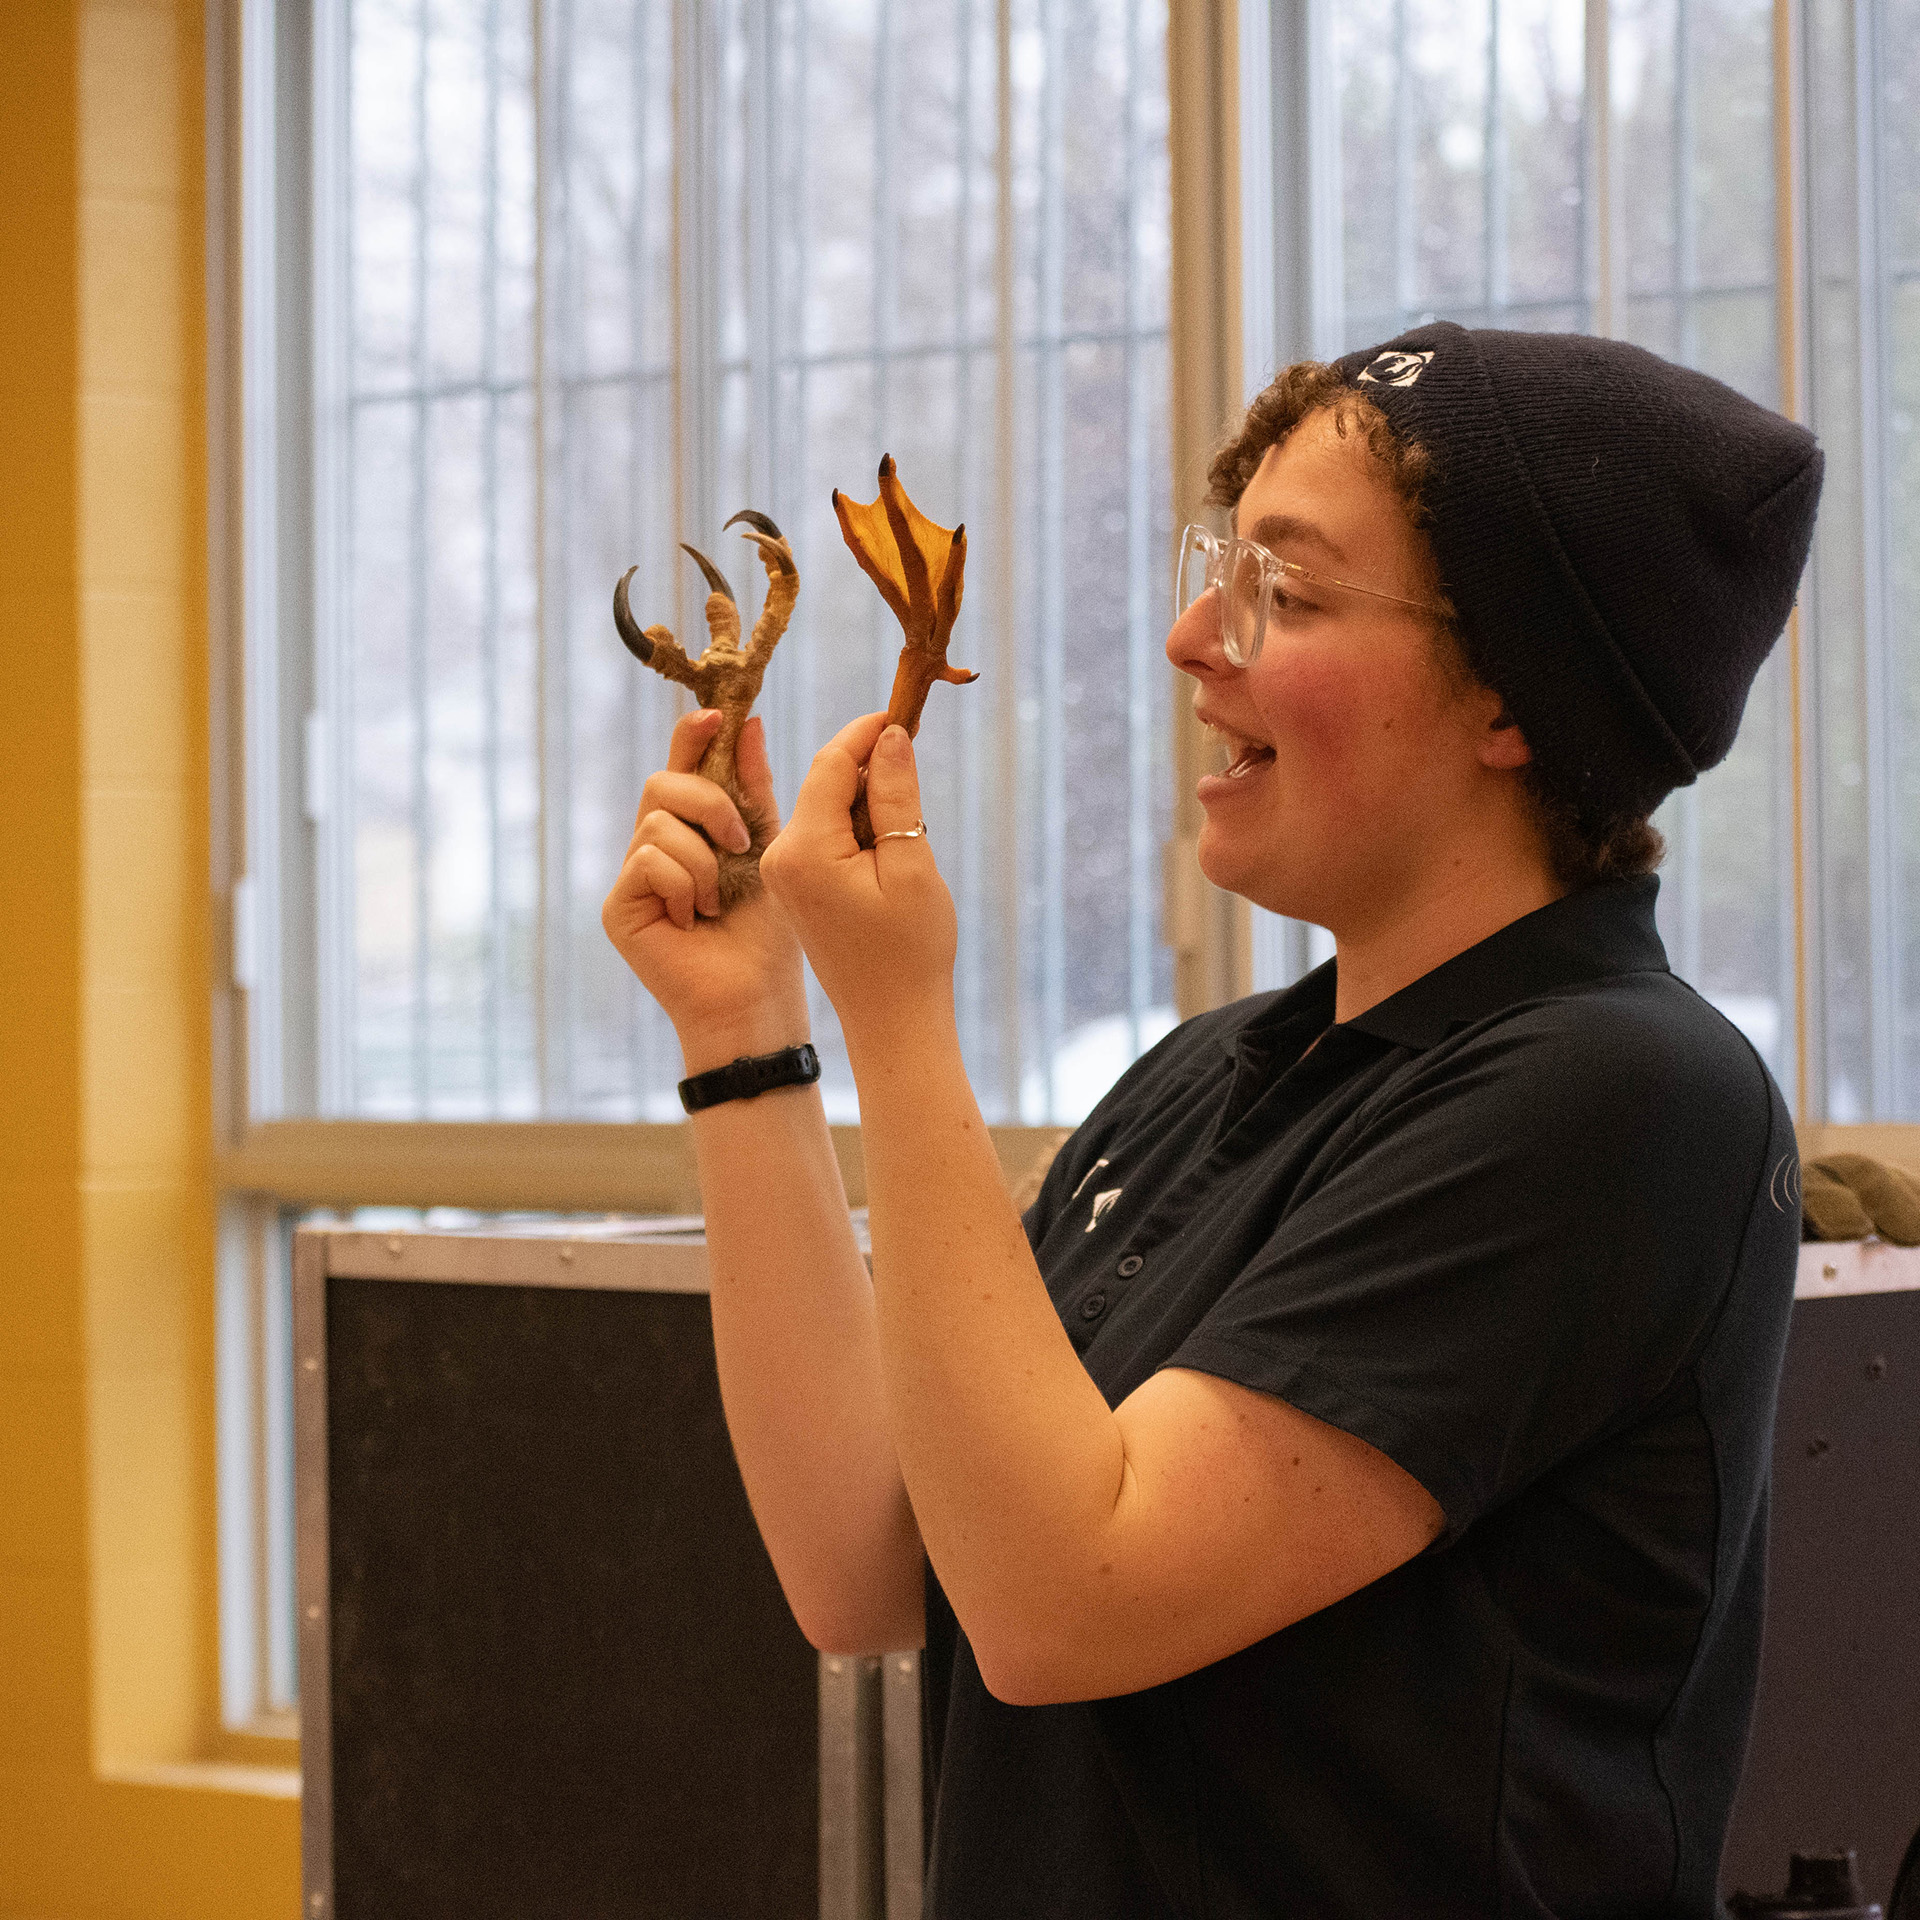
[601,274]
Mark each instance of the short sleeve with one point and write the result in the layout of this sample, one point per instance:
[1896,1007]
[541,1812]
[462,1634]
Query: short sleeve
[1517,1249]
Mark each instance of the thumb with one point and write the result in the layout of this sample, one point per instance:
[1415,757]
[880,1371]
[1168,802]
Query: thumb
[893,784]
[820,808]
[755,773]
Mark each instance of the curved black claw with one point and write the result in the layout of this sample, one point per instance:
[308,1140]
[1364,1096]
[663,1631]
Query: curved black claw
[778,557]
[759,520]
[715,578]
[635,641]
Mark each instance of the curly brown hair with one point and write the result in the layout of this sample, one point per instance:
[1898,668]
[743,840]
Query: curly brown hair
[1580,850]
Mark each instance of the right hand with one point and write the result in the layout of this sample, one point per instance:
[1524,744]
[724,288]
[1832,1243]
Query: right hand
[731,985]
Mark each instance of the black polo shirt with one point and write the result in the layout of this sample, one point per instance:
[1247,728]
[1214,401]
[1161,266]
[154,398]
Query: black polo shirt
[1528,1228]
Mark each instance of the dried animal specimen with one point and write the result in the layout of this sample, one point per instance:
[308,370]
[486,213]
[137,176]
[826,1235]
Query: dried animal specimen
[725,676]
[920,570]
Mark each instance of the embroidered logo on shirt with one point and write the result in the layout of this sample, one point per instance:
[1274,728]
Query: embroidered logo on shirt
[1085,1177]
[1783,1185]
[1394,369]
[1103,1204]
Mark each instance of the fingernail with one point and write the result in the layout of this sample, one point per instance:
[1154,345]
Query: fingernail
[894,741]
[738,838]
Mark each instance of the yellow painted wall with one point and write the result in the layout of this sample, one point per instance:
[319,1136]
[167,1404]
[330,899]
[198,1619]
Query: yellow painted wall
[107,1591]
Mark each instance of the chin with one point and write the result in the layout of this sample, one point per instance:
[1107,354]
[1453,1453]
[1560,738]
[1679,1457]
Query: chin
[1234,869]
[1229,868]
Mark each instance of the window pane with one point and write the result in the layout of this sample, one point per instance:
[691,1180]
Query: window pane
[545,387]
[1469,192]
[1462,160]
[1862,79]
[430,444]
[1693,107]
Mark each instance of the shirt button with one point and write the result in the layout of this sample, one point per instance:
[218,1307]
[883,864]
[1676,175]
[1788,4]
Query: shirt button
[1130,1266]
[1093,1306]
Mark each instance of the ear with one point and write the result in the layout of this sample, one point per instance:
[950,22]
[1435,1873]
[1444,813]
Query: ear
[1502,745]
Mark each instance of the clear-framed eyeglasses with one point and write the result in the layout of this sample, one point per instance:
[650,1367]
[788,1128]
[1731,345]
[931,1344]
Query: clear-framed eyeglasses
[1251,583]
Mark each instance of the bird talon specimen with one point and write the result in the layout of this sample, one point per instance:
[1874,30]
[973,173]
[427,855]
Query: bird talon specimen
[726,676]
[920,570]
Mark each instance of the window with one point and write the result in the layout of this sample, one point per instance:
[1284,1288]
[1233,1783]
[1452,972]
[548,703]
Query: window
[535,289]
[1619,166]
[531,291]
[1859,87]
[585,278]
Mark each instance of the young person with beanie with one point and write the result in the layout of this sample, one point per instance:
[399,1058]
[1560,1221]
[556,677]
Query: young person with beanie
[1345,1493]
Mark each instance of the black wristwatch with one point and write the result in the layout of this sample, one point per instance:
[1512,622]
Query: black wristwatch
[754,1074]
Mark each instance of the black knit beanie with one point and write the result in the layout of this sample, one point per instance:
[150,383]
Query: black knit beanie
[1622,539]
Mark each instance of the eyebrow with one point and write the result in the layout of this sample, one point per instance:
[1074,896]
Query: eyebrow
[1273,529]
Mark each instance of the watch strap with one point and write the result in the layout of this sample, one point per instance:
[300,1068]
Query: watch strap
[751,1075]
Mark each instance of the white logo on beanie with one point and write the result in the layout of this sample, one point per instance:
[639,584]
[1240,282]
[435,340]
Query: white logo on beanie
[1394,369]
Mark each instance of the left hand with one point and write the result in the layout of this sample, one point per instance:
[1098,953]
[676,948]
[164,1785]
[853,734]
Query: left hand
[877,923]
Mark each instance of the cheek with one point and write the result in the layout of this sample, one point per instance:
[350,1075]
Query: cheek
[1333,717]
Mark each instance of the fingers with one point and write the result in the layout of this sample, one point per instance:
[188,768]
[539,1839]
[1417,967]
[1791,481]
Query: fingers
[893,784]
[691,854]
[750,762]
[691,733]
[687,797]
[826,797]
[651,883]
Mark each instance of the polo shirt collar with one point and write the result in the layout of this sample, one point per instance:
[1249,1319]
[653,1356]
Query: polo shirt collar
[1587,935]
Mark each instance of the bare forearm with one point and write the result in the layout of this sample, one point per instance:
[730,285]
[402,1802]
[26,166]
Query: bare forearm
[798,1353]
[1009,1450]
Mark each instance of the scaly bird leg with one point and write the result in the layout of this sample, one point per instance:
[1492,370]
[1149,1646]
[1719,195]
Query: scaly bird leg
[734,676]
[723,615]
[899,550]
[726,678]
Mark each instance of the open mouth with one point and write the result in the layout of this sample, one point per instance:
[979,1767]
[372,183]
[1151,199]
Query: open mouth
[1243,756]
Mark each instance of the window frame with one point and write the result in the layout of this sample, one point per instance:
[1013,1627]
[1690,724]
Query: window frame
[277,763]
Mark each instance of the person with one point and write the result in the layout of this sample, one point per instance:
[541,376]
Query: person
[1345,1493]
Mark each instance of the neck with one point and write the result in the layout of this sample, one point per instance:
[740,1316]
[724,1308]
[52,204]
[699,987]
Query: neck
[1450,905]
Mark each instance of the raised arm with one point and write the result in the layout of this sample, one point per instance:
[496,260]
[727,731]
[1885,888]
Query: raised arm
[1087,1550]
[793,1311]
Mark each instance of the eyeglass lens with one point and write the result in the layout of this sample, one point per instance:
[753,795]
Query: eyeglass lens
[1241,606]
[1196,557]
[1203,561]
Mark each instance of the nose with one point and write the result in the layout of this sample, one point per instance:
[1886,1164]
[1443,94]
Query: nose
[1193,641]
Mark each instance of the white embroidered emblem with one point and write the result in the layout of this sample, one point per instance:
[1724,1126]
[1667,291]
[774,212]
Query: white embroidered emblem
[1102,1205]
[1783,1184]
[1085,1177]
[1394,369]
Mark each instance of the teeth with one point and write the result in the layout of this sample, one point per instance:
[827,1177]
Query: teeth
[1243,755]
